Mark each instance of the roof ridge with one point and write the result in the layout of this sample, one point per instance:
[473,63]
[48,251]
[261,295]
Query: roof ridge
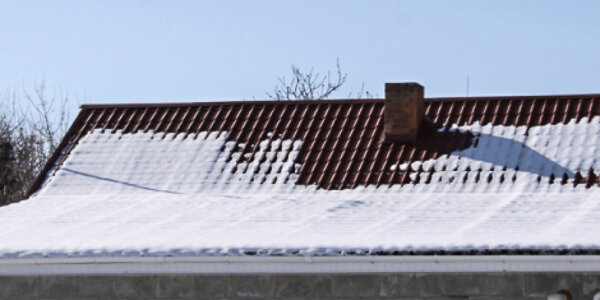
[327,101]
[513,97]
[233,102]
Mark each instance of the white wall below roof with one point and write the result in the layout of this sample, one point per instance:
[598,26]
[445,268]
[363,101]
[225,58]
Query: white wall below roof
[298,265]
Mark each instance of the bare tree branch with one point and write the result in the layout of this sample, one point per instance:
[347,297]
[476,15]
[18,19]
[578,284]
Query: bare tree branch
[29,134]
[313,86]
[308,86]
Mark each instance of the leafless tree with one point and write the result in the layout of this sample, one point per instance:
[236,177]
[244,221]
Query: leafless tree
[313,86]
[308,86]
[31,125]
[48,116]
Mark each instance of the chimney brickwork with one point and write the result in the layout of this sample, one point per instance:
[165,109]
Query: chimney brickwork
[403,111]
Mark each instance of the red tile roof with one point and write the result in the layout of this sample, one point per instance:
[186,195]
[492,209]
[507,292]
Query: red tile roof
[342,139]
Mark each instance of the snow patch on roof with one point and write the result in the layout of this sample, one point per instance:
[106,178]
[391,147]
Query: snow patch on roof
[105,163]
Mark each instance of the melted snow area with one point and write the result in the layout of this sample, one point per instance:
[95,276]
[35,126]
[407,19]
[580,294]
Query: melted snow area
[140,194]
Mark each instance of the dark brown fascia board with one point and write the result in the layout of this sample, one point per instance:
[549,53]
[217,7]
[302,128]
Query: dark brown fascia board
[336,101]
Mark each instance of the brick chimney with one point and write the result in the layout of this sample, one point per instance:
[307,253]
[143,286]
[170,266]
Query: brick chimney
[403,111]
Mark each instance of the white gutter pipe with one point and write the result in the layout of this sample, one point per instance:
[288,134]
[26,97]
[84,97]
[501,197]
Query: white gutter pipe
[298,265]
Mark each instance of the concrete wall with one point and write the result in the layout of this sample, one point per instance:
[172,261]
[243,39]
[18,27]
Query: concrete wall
[393,286]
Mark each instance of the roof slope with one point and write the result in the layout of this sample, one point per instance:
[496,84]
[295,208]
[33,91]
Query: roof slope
[488,175]
[342,140]
[343,223]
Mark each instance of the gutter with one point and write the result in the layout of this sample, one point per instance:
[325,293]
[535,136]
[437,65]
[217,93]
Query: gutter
[298,265]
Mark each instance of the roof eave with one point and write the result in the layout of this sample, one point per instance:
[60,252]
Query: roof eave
[299,265]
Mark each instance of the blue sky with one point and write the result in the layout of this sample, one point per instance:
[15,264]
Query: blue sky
[177,51]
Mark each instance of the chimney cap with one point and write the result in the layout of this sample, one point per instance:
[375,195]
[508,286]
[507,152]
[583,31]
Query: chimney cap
[401,84]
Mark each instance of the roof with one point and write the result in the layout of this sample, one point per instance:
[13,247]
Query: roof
[489,175]
[342,139]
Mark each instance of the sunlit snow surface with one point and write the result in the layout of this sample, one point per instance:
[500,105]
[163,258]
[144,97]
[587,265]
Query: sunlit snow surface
[142,194]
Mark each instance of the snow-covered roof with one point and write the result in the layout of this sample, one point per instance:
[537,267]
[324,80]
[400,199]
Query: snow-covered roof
[130,181]
[298,223]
